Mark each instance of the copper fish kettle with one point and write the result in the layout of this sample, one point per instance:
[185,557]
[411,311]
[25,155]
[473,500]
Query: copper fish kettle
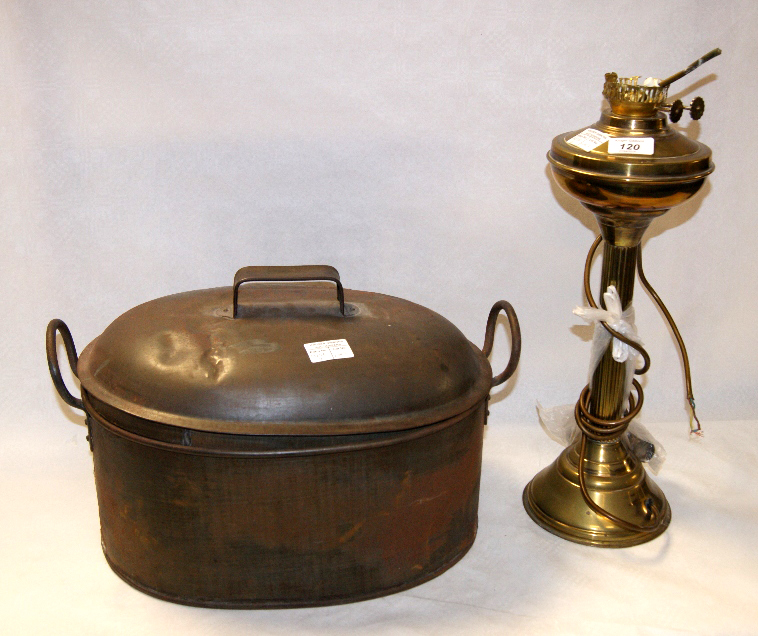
[269,446]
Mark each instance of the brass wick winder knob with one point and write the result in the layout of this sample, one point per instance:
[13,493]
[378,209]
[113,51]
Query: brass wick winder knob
[628,168]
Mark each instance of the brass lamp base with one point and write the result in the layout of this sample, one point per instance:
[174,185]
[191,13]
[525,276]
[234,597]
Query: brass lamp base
[615,480]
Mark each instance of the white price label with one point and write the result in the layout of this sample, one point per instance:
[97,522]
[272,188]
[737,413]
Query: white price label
[631,146]
[328,350]
[588,139]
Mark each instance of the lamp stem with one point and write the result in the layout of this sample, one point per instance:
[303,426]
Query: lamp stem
[608,383]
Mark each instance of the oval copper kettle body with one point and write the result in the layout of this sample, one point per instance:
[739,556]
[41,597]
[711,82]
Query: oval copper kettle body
[237,464]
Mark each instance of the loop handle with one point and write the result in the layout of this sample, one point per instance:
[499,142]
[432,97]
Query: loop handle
[489,338]
[281,274]
[53,328]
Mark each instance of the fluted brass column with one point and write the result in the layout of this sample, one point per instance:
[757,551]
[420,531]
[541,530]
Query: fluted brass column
[609,379]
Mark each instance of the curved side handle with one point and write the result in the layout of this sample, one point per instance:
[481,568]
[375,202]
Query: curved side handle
[294,273]
[489,338]
[56,325]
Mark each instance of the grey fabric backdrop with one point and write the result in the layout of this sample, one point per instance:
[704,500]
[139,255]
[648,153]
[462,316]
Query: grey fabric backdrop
[148,148]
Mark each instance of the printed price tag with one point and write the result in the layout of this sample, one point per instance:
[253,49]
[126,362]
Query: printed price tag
[588,139]
[328,350]
[631,146]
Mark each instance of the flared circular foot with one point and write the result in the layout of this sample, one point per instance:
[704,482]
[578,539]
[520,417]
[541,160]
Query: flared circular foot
[615,480]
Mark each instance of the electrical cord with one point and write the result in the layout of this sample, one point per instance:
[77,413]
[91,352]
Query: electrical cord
[606,429]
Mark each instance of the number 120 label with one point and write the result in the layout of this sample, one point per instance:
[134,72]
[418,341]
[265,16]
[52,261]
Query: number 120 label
[631,146]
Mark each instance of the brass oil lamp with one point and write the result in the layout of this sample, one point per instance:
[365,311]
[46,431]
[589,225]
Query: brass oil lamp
[628,168]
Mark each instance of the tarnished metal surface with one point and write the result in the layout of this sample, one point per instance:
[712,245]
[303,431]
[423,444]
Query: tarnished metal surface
[290,274]
[363,516]
[184,360]
[232,471]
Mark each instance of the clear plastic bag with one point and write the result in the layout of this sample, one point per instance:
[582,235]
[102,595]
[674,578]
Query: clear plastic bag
[618,320]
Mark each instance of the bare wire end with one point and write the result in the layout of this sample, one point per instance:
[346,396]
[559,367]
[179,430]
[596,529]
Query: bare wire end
[698,428]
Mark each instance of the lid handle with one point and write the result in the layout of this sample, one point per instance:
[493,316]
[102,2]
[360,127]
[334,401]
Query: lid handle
[286,274]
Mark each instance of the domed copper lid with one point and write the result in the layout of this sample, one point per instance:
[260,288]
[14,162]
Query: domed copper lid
[185,359]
